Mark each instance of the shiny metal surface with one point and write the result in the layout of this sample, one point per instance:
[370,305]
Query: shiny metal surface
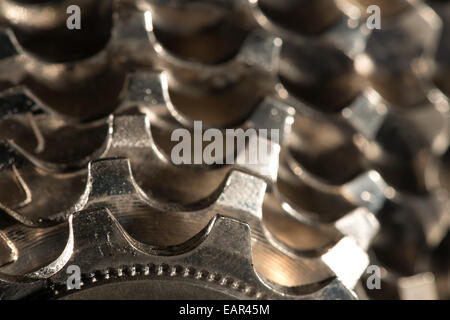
[358,177]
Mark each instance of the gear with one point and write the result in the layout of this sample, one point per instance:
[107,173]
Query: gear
[356,175]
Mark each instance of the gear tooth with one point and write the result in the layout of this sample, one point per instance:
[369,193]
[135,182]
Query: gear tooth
[361,225]
[105,236]
[243,193]
[418,287]
[261,51]
[335,257]
[222,228]
[275,118]
[237,253]
[366,113]
[367,190]
[355,36]
[129,27]
[147,89]
[116,171]
[129,132]
[272,114]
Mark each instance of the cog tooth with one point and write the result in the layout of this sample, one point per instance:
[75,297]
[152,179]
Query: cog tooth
[347,250]
[108,178]
[352,41]
[368,190]
[243,193]
[361,224]
[129,28]
[273,114]
[275,118]
[418,287]
[261,51]
[151,89]
[366,113]
[235,253]
[106,236]
[129,132]
[147,89]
